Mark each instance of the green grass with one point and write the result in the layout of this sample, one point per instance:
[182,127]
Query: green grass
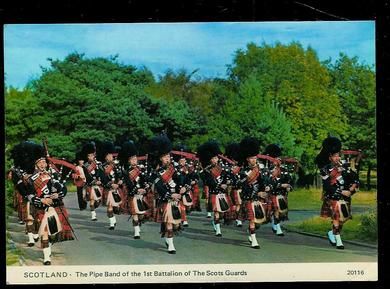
[310,199]
[12,253]
[362,227]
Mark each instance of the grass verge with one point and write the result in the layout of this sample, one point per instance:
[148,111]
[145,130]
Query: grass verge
[362,227]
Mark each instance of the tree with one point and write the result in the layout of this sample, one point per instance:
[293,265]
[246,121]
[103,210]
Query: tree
[354,83]
[81,99]
[300,84]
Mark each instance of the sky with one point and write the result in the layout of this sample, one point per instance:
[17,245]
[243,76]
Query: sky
[208,47]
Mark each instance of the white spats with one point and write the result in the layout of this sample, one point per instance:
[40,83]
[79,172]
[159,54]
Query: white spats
[339,243]
[218,230]
[93,216]
[208,214]
[331,238]
[31,241]
[46,256]
[171,247]
[137,232]
[185,223]
[273,226]
[279,231]
[36,237]
[254,243]
[238,223]
[112,223]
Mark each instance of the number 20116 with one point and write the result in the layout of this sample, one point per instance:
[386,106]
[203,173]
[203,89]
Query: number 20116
[355,272]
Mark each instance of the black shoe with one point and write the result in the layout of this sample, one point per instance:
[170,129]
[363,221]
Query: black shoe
[255,247]
[340,247]
[111,228]
[30,244]
[94,220]
[137,237]
[280,235]
[36,239]
[218,235]
[47,263]
[172,252]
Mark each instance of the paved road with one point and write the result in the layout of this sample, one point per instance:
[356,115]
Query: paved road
[197,244]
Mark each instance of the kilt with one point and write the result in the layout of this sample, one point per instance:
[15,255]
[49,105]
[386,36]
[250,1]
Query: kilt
[164,214]
[195,197]
[66,233]
[246,211]
[216,207]
[124,206]
[20,206]
[151,202]
[132,205]
[330,209]
[235,196]
[274,207]
[183,211]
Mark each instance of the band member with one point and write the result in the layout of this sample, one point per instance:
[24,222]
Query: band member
[15,174]
[46,194]
[339,184]
[136,185]
[232,151]
[166,188]
[93,174]
[281,186]
[215,182]
[80,180]
[254,189]
[111,180]
[20,173]
[184,179]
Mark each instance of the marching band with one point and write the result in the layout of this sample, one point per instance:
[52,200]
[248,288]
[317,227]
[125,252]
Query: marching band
[164,186]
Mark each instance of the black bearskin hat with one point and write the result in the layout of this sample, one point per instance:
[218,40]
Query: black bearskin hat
[207,151]
[249,147]
[103,149]
[273,150]
[78,157]
[26,154]
[128,149]
[158,146]
[88,148]
[330,146]
[181,148]
[232,151]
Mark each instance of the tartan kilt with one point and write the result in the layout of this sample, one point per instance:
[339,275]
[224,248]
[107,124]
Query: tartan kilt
[195,197]
[66,233]
[105,197]
[213,202]
[330,209]
[162,214]
[124,206]
[183,211]
[21,206]
[246,211]
[150,201]
[235,197]
[274,207]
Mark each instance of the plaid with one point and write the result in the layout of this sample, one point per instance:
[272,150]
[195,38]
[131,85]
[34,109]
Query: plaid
[40,182]
[183,211]
[124,206]
[274,207]
[216,171]
[20,206]
[195,197]
[334,174]
[246,211]
[214,202]
[134,173]
[168,174]
[330,209]
[66,233]
[92,166]
[253,175]
[235,197]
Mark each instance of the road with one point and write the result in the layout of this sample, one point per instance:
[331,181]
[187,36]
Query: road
[197,244]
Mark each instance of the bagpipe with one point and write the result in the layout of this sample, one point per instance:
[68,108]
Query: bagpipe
[61,169]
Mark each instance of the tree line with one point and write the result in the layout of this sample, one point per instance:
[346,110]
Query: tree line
[279,93]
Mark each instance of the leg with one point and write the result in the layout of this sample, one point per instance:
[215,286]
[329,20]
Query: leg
[136,226]
[169,240]
[252,238]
